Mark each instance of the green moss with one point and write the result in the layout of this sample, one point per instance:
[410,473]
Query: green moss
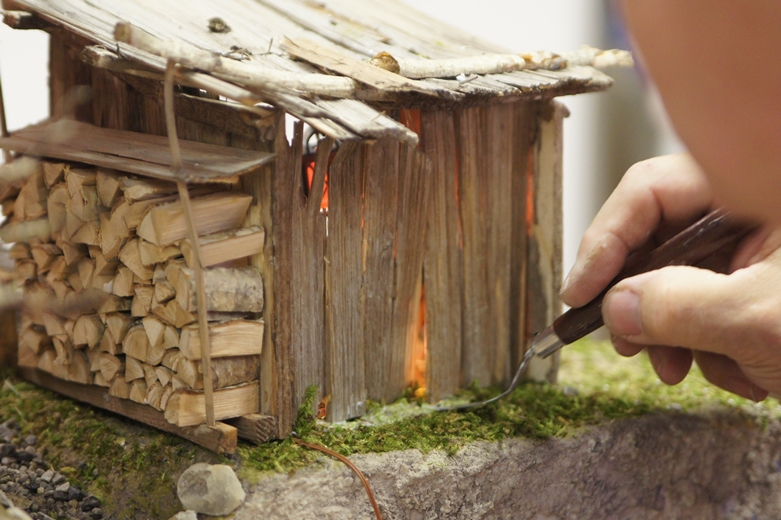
[606,387]
[128,466]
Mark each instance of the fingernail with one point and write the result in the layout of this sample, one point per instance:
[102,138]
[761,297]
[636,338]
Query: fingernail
[573,273]
[621,311]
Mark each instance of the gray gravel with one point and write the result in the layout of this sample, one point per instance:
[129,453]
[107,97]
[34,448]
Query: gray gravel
[32,485]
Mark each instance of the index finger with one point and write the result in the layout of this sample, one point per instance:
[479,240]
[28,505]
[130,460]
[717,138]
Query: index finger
[670,188]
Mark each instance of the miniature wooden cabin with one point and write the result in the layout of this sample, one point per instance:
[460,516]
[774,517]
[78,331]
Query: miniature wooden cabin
[431,261]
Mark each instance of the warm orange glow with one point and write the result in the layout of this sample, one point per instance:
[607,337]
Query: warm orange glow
[530,193]
[419,350]
[309,171]
[410,117]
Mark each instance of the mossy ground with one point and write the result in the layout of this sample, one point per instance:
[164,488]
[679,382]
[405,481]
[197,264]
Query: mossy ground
[606,386]
[132,468]
[135,468]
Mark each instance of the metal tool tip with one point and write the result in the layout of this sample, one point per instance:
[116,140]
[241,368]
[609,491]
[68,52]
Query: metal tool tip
[546,342]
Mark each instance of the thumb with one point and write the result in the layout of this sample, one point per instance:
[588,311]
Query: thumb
[679,306]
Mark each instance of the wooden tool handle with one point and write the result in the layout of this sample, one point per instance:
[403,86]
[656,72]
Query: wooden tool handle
[689,247]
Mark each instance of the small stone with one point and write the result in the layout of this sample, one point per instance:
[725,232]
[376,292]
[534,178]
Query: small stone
[31,440]
[61,492]
[75,493]
[97,513]
[6,449]
[210,489]
[58,479]
[73,503]
[47,476]
[185,515]
[90,503]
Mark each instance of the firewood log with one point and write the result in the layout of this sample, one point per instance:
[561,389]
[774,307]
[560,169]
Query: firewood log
[88,233]
[188,408]
[84,203]
[154,394]
[225,246]
[165,224]
[57,270]
[25,270]
[123,282]
[72,252]
[108,186]
[63,346]
[232,338]
[226,372]
[56,207]
[54,324]
[113,303]
[168,391]
[138,391]
[110,365]
[53,173]
[133,369]
[107,344]
[77,178]
[20,251]
[144,189]
[150,374]
[46,360]
[88,330]
[34,339]
[163,374]
[27,358]
[99,380]
[78,369]
[227,290]
[171,359]
[164,292]
[170,337]
[44,255]
[119,387]
[142,300]
[151,254]
[117,325]
[130,256]
[33,196]
[136,343]
[155,330]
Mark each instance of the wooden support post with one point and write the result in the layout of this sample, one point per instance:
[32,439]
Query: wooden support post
[442,268]
[545,247]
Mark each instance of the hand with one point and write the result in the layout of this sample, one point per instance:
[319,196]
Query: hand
[729,323]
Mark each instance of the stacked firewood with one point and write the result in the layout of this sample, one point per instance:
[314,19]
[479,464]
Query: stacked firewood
[112,271]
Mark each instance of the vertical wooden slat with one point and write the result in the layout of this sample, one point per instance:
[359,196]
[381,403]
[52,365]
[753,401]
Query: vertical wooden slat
[477,361]
[443,268]
[345,380]
[524,121]
[497,165]
[272,188]
[308,278]
[414,181]
[545,247]
[384,360]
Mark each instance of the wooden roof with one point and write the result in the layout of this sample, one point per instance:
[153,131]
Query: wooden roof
[314,59]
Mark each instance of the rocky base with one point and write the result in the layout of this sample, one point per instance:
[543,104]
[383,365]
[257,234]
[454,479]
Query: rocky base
[27,481]
[718,464]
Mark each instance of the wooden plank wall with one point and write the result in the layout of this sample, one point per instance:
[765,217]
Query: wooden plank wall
[475,273]
[545,239]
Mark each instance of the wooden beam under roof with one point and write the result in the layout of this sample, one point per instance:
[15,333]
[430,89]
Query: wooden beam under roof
[134,152]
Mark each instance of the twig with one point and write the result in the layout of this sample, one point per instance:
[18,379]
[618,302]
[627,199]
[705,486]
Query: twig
[358,472]
[184,195]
